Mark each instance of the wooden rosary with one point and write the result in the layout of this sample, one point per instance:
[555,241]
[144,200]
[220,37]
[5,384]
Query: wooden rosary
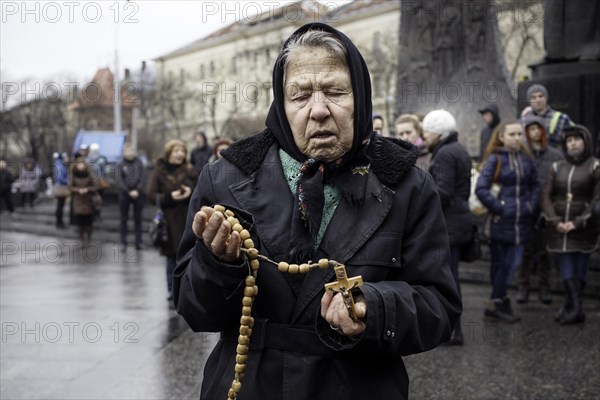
[343,285]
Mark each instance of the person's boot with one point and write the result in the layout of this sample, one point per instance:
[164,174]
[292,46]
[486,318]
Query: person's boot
[574,314]
[544,295]
[457,336]
[523,295]
[567,304]
[508,308]
[495,311]
[81,234]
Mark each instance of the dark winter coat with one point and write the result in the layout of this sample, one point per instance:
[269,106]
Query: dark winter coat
[451,171]
[165,179]
[6,180]
[572,193]
[83,204]
[512,211]
[486,133]
[395,239]
[131,175]
[200,156]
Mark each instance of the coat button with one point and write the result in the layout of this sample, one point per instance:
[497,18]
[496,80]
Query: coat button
[388,333]
[393,259]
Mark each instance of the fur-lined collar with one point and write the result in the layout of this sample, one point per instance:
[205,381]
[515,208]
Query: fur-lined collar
[391,159]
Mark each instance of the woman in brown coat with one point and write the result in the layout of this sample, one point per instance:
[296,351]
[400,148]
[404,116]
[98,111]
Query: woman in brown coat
[83,188]
[569,201]
[171,187]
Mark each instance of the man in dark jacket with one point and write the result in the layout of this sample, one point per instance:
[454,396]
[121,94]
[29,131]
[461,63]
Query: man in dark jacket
[316,185]
[131,183]
[451,171]
[6,181]
[491,117]
[202,152]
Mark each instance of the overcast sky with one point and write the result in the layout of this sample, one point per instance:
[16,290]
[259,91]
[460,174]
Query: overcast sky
[44,41]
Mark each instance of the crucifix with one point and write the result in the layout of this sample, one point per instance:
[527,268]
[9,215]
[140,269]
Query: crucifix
[344,285]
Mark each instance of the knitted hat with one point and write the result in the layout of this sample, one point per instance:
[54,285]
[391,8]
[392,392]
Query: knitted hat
[440,122]
[537,88]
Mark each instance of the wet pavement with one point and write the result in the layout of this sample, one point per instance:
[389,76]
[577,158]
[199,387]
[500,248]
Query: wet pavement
[97,325]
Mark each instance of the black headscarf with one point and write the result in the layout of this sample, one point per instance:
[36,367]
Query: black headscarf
[309,201]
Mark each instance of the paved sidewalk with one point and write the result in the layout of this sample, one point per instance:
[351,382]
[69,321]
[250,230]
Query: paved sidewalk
[97,326]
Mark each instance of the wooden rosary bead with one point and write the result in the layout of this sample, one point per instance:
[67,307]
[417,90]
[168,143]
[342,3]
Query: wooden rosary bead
[237,386]
[250,281]
[240,368]
[244,234]
[219,208]
[246,310]
[251,324]
[249,243]
[245,320]
[243,340]
[249,291]
[254,264]
[293,269]
[241,349]
[240,359]
[283,266]
[247,301]
[231,393]
[323,263]
[237,227]
[252,254]
[255,290]
[303,268]
[229,213]
[245,330]
[239,376]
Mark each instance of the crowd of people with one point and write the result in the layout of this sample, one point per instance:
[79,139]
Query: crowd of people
[392,207]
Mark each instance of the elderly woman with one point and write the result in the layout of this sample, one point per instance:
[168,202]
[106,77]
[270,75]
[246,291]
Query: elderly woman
[316,184]
[170,186]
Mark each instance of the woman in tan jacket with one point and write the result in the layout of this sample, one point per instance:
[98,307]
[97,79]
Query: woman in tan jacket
[83,189]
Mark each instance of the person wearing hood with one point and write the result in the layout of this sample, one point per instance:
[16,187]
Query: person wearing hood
[508,163]
[202,153]
[570,200]
[535,255]
[451,170]
[170,187]
[316,184]
[491,117]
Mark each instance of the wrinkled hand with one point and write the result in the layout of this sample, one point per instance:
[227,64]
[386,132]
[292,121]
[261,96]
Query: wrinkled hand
[214,230]
[334,311]
[134,194]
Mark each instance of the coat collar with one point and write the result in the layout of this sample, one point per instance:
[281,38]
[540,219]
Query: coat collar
[391,159]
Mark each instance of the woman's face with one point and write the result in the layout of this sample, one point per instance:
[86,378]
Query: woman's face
[575,144]
[319,104]
[177,155]
[511,137]
[407,132]
[535,133]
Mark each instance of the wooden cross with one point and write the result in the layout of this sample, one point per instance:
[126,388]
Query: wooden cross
[344,285]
